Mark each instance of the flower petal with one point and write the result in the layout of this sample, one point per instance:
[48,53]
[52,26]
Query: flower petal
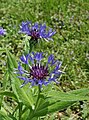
[20,69]
[35,26]
[24,58]
[24,27]
[38,56]
[2,31]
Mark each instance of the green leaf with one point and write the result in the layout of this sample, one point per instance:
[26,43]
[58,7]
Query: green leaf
[1,98]
[11,60]
[83,91]
[57,100]
[75,95]
[57,106]
[5,79]
[3,116]
[23,94]
[10,94]
[25,114]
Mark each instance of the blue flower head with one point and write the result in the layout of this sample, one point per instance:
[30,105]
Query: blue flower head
[36,31]
[2,31]
[38,73]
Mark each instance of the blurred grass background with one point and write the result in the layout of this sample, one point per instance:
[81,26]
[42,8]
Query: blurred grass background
[70,19]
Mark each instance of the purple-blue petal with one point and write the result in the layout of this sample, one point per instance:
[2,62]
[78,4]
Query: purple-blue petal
[36,31]
[51,33]
[31,59]
[24,83]
[52,79]
[42,29]
[50,59]
[40,82]
[20,69]
[38,73]
[2,31]
[46,82]
[35,26]
[24,58]
[23,78]
[25,27]
[38,56]
[58,66]
[33,82]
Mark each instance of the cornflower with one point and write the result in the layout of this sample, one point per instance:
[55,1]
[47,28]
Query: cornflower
[38,72]
[36,31]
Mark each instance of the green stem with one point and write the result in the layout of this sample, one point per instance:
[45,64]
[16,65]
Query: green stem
[20,110]
[33,111]
[32,45]
[39,90]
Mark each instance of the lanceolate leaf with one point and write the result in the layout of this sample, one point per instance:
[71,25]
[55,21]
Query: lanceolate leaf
[57,101]
[57,106]
[11,60]
[3,116]
[23,94]
[83,91]
[5,79]
[10,94]
[69,96]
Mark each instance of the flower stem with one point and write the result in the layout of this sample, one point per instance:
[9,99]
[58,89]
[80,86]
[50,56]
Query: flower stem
[39,90]
[32,45]
[20,110]
[33,111]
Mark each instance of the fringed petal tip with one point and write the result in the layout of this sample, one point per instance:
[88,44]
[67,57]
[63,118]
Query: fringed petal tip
[38,73]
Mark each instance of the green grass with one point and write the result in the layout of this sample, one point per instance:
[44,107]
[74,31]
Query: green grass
[71,43]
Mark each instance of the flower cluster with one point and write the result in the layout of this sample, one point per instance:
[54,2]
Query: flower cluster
[2,31]
[36,31]
[38,72]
